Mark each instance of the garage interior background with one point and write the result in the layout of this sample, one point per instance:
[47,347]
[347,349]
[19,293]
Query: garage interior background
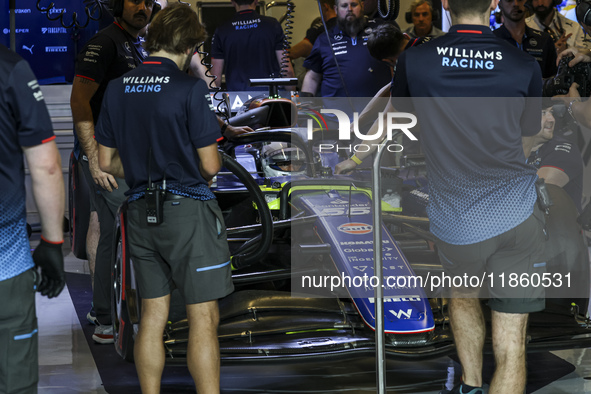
[50,46]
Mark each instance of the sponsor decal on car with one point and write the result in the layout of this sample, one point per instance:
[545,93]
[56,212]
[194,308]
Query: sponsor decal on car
[355,228]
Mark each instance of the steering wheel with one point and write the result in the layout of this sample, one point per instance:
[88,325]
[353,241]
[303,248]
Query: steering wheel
[256,248]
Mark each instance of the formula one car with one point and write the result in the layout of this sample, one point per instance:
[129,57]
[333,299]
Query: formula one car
[293,228]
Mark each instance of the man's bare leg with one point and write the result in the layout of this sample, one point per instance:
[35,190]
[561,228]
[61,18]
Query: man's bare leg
[469,330]
[509,333]
[149,347]
[203,353]
[92,238]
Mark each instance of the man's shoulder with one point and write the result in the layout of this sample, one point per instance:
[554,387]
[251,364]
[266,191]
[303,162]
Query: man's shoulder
[111,34]
[502,32]
[533,22]
[8,58]
[269,20]
[561,19]
[562,145]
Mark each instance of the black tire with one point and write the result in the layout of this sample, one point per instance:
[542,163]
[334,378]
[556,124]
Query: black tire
[123,328]
[78,207]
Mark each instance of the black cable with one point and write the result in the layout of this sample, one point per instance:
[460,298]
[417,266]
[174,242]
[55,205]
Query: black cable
[285,59]
[392,9]
[89,10]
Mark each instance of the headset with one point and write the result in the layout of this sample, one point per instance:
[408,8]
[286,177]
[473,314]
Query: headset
[583,12]
[434,14]
[117,8]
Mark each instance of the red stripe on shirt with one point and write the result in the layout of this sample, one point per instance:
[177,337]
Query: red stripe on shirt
[48,139]
[152,63]
[82,76]
[470,31]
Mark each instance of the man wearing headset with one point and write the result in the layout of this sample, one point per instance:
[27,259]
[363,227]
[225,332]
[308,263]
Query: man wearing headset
[534,42]
[109,54]
[422,15]
[357,73]
[565,33]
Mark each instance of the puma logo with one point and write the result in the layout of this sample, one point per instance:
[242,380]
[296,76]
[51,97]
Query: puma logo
[29,49]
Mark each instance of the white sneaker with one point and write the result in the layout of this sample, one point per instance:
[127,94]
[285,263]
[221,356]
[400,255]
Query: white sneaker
[103,334]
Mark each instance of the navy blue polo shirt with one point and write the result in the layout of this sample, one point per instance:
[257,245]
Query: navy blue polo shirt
[363,74]
[563,155]
[247,44]
[107,55]
[24,121]
[158,107]
[537,44]
[468,90]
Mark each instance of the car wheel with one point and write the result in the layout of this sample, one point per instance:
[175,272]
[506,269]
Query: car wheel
[123,327]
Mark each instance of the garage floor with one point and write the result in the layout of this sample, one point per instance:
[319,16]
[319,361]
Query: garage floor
[69,362]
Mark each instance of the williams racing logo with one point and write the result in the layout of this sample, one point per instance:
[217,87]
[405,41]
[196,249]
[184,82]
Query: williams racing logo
[144,84]
[355,228]
[468,58]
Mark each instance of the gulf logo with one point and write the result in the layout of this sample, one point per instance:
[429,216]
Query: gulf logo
[355,228]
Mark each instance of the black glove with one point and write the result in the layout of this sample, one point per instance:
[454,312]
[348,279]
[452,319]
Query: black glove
[50,258]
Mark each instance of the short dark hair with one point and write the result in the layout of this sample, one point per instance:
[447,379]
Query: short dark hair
[330,3]
[175,29]
[469,7]
[243,2]
[385,41]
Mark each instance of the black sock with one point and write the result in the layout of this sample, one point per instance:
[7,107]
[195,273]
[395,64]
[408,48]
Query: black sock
[466,389]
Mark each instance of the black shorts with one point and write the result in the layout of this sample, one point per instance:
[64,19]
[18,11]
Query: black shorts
[188,250]
[18,335]
[517,253]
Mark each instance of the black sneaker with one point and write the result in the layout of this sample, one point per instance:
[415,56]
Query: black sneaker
[458,390]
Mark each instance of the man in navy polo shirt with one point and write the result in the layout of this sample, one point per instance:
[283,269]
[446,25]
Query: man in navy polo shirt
[482,195]
[248,46]
[362,75]
[109,54]
[25,127]
[536,43]
[158,124]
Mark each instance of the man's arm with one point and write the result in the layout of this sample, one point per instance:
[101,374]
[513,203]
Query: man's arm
[82,91]
[109,161]
[553,176]
[45,165]
[380,100]
[197,69]
[311,82]
[579,110]
[209,161]
[217,69]
[373,143]
[301,49]
[230,130]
